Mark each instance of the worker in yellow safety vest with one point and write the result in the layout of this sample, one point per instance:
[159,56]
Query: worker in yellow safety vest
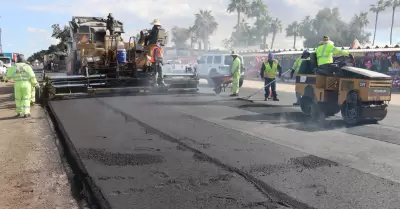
[326,50]
[268,73]
[24,78]
[235,72]
[296,68]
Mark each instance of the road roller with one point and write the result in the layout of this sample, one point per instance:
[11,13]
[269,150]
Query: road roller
[359,94]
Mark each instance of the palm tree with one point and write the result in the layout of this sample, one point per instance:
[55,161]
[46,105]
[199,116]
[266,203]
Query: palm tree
[394,4]
[276,27]
[293,30]
[239,6]
[377,8]
[306,26]
[258,9]
[204,25]
[360,20]
[263,26]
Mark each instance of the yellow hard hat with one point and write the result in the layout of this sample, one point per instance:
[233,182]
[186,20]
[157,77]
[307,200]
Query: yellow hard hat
[155,22]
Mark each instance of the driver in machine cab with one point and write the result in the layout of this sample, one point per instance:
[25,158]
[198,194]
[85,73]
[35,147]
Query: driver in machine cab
[326,50]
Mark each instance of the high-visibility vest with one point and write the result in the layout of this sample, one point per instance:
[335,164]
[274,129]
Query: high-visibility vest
[297,64]
[21,73]
[155,53]
[326,51]
[271,72]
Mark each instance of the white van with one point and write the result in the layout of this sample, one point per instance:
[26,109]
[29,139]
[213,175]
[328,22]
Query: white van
[3,70]
[211,65]
[6,61]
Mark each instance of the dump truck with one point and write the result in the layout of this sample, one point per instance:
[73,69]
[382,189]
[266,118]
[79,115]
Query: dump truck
[94,64]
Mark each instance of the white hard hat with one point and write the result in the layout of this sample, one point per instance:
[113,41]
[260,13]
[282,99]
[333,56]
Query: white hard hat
[155,22]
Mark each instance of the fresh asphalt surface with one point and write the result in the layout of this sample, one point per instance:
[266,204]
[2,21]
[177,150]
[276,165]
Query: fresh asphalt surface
[212,151]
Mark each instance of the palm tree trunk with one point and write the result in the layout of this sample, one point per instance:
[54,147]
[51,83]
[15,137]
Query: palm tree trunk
[238,22]
[265,41]
[376,24]
[294,42]
[391,27]
[273,40]
[205,43]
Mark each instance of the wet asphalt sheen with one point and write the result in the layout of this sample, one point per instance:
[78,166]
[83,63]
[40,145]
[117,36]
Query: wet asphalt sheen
[205,151]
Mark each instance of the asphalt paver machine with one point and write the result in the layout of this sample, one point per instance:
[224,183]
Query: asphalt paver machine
[103,62]
[357,93]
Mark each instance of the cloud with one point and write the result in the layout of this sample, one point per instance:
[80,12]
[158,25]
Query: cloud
[137,14]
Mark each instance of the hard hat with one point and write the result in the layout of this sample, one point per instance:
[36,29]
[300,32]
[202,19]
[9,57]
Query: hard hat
[155,22]
[233,53]
[326,38]
[20,58]
[270,55]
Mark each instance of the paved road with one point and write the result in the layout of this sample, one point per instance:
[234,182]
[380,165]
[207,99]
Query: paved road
[207,151]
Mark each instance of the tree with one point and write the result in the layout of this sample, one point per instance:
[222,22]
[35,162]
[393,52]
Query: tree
[239,6]
[37,56]
[263,27]
[258,9]
[276,27]
[204,25]
[328,22]
[180,36]
[360,20]
[61,34]
[293,30]
[394,4]
[376,9]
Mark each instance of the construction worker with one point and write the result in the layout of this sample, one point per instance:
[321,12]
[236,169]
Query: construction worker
[235,72]
[24,78]
[268,73]
[111,23]
[295,70]
[326,50]
[152,37]
[156,57]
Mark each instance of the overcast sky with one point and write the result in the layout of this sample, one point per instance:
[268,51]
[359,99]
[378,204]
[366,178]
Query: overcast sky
[26,25]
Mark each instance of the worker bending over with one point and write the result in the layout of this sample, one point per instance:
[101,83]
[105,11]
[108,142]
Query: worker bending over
[296,68]
[235,72]
[268,72]
[24,78]
[326,50]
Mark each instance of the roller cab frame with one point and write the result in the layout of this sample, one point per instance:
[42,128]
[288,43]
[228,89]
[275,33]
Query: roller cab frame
[357,93]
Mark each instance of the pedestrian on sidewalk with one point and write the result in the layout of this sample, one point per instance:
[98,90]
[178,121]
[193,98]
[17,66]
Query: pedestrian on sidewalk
[295,70]
[24,79]
[268,72]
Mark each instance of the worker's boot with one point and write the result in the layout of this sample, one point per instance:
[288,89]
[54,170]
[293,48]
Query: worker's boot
[18,115]
[234,95]
[274,96]
[27,115]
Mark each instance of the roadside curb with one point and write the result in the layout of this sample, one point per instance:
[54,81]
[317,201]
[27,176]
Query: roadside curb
[90,190]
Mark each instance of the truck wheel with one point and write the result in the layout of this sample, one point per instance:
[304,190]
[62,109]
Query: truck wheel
[306,104]
[351,109]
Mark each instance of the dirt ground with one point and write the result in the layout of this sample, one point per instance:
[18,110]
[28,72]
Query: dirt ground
[31,170]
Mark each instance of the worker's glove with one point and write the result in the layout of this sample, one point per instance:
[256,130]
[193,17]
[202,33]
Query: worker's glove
[291,74]
[37,86]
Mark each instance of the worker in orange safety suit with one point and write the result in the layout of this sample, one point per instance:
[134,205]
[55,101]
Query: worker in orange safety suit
[24,79]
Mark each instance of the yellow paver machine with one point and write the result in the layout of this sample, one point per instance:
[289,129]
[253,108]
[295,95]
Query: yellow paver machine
[102,62]
[357,93]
